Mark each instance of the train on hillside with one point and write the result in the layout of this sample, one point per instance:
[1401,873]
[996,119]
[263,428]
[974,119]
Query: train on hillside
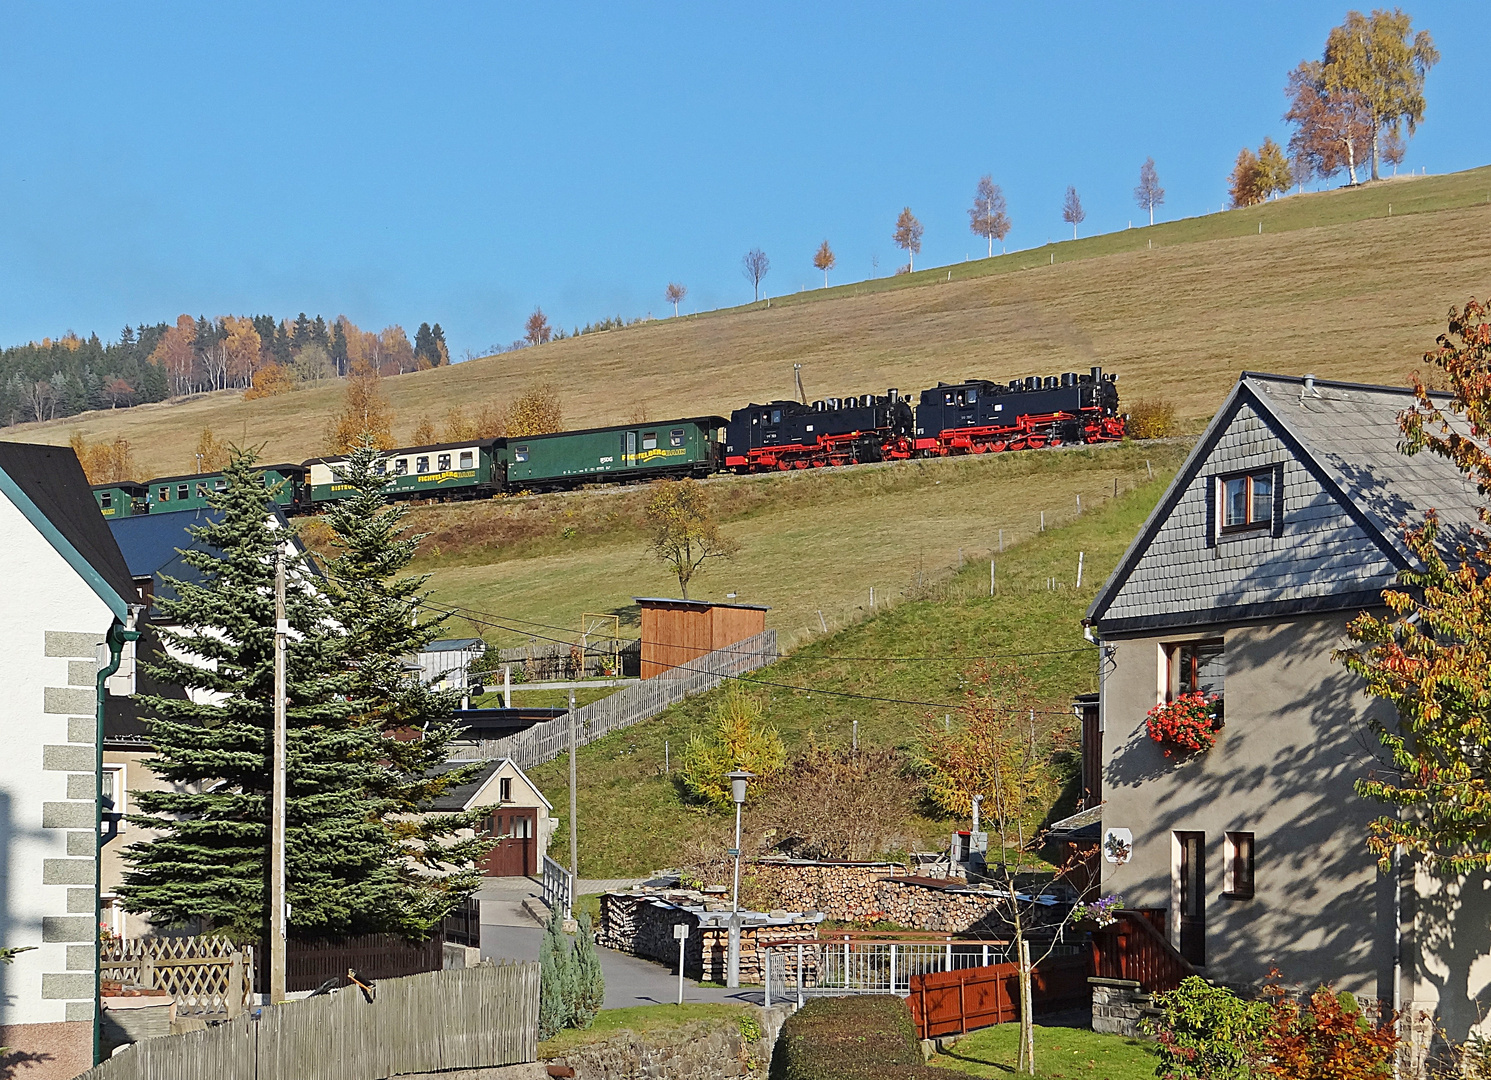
[973,417]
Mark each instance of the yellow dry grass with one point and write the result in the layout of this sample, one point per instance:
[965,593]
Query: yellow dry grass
[1331,286]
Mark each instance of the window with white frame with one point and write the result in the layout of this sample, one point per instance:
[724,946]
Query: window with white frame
[505,789]
[112,783]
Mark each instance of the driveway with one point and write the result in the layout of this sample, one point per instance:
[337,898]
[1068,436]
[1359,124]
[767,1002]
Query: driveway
[508,933]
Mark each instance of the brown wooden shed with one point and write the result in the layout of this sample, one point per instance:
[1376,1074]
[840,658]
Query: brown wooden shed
[675,632]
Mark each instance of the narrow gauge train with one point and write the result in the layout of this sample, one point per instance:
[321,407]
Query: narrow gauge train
[972,417]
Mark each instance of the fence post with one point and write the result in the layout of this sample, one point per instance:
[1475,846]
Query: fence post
[799,976]
[986,954]
[893,967]
[235,985]
[147,971]
[950,954]
[765,972]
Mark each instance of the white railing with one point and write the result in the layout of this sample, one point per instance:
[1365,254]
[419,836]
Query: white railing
[795,970]
[559,887]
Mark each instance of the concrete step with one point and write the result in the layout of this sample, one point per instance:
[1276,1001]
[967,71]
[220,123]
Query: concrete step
[537,910]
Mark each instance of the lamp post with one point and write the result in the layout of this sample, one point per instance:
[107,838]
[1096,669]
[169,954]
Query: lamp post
[738,781]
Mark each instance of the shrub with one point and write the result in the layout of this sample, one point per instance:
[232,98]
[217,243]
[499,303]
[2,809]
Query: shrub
[851,1038]
[1151,418]
[1206,1032]
[1331,1040]
[555,979]
[589,984]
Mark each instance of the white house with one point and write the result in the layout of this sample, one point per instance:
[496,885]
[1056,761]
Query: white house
[69,605]
[517,814]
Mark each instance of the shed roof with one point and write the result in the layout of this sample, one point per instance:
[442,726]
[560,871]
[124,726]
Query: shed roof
[1347,436]
[454,644]
[696,605]
[47,485]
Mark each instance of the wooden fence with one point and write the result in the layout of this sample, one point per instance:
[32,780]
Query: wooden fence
[209,978]
[547,740]
[470,1019]
[1133,948]
[308,964]
[952,1002]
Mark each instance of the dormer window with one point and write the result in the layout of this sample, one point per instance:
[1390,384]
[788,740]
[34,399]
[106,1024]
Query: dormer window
[1248,501]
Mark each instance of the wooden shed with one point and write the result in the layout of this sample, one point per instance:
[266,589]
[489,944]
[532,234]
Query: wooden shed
[675,632]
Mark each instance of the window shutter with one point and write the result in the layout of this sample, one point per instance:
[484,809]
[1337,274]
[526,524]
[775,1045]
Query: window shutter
[1210,486]
[1278,522]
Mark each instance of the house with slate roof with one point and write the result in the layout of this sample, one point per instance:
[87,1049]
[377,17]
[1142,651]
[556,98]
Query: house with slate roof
[1286,520]
[517,815]
[69,608]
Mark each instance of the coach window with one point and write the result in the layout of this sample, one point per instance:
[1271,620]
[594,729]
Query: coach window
[520,453]
[164,495]
[1248,501]
[380,468]
[442,462]
[202,491]
[183,491]
[649,440]
[466,459]
[675,437]
[220,485]
[422,463]
[401,467]
[105,500]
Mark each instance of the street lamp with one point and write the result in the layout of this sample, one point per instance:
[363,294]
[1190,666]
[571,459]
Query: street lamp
[738,780]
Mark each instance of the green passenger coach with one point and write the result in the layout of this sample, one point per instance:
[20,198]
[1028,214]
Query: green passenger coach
[169,494]
[670,448]
[123,499]
[442,470]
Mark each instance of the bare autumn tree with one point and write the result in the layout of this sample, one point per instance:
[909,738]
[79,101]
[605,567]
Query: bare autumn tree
[1373,57]
[824,260]
[1149,194]
[754,264]
[988,216]
[908,236]
[1332,128]
[683,532]
[675,293]
[536,330]
[1071,210]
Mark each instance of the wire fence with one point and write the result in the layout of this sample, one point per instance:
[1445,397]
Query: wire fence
[548,739]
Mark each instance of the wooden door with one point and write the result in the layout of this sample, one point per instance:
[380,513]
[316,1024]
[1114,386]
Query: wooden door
[1193,896]
[516,852]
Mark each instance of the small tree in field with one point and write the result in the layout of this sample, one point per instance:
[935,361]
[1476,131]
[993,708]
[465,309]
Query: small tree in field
[1430,655]
[684,533]
[1244,185]
[824,260]
[1149,194]
[536,411]
[908,236]
[754,264]
[364,411]
[536,331]
[1372,58]
[988,216]
[673,294]
[1071,210]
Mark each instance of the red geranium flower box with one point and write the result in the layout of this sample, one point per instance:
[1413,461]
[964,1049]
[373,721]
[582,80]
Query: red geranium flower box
[1190,722]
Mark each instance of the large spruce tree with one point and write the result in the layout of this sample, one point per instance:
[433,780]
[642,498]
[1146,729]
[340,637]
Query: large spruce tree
[344,870]
[376,605]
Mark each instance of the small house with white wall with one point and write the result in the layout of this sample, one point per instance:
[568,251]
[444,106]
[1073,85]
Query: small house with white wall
[518,815]
[445,664]
[70,604]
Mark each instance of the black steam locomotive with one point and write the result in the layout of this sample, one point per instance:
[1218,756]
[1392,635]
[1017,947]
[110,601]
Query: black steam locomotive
[972,417]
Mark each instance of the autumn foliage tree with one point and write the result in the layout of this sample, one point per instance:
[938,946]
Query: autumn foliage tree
[824,260]
[989,216]
[536,331]
[1071,210]
[1256,177]
[269,381]
[682,530]
[908,236]
[1382,63]
[1430,655]
[212,454]
[1332,127]
[674,294]
[536,411]
[364,409]
[104,463]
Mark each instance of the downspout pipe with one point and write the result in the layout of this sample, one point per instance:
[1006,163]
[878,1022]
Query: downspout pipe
[119,634]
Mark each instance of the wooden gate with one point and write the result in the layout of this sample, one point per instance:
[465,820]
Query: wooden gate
[516,852]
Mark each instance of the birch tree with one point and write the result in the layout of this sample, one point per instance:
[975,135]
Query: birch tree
[988,216]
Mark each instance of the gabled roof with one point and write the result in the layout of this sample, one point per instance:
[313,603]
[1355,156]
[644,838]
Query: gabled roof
[459,798]
[47,485]
[1346,436]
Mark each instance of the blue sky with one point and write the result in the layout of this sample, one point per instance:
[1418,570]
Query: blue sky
[464,162]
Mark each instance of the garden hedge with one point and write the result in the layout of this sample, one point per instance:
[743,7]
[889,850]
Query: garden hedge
[851,1038]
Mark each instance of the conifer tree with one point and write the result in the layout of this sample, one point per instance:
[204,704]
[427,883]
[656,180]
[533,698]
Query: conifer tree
[589,981]
[375,605]
[210,860]
[555,981]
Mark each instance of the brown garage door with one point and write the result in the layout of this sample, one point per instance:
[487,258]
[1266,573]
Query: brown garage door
[516,851]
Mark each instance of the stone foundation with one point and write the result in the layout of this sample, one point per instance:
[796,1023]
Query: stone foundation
[1118,1005]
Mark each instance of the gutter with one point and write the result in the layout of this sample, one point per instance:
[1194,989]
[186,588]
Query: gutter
[119,634]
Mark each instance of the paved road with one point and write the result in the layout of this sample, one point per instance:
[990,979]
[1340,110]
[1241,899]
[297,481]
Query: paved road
[508,933]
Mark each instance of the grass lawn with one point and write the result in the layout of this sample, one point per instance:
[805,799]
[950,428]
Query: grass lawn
[1060,1052]
[641,1020]
[1331,284]
[632,818]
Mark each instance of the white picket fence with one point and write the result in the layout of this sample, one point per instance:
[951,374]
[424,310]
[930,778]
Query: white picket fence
[633,704]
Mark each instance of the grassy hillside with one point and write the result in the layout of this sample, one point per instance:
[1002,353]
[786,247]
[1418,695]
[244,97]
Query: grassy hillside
[631,816]
[811,543]
[1332,285]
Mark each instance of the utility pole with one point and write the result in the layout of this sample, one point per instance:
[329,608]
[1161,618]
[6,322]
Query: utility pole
[574,832]
[277,820]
